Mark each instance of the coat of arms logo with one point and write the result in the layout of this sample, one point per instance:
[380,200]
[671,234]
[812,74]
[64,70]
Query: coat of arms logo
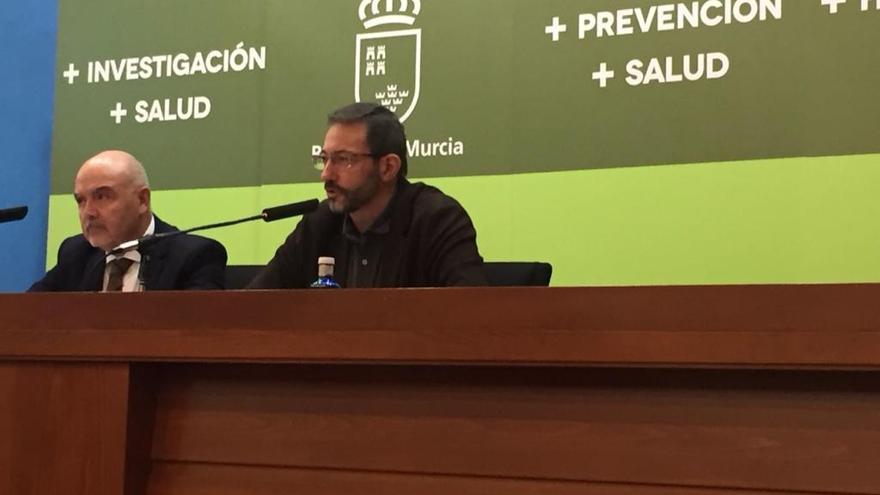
[388,63]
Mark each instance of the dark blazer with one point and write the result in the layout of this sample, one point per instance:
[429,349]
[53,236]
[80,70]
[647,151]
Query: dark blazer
[431,243]
[176,263]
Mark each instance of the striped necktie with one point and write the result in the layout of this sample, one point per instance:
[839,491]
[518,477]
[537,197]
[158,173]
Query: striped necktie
[117,267]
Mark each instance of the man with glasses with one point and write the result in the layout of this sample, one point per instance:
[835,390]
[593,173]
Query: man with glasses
[382,230]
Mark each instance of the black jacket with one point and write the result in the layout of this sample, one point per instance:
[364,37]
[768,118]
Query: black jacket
[174,263]
[431,243]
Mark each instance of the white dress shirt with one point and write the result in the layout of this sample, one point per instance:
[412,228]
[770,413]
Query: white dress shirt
[130,282]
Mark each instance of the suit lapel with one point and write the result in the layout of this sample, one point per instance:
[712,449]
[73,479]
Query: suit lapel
[93,275]
[340,271]
[153,258]
[391,258]
[152,265]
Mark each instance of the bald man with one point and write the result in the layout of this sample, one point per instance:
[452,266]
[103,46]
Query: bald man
[113,196]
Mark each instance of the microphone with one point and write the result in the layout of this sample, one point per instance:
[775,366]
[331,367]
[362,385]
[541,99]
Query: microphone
[268,215]
[13,214]
[291,210]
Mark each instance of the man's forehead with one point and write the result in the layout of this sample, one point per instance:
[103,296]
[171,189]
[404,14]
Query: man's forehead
[355,132]
[91,173]
[90,181]
[87,189]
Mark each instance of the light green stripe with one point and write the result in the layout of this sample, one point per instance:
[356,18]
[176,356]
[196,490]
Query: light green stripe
[798,220]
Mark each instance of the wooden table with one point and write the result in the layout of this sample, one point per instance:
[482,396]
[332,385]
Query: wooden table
[656,390]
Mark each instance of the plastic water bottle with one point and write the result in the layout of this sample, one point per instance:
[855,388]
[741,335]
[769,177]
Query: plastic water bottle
[325,274]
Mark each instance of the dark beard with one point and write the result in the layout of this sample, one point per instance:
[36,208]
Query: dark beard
[354,199]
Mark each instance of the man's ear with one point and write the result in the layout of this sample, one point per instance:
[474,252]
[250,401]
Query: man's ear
[389,167]
[144,198]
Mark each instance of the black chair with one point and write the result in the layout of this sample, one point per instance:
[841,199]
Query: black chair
[518,273]
[499,274]
[239,276]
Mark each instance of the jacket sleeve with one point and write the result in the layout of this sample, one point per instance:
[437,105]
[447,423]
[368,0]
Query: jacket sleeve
[284,271]
[206,267]
[52,281]
[453,256]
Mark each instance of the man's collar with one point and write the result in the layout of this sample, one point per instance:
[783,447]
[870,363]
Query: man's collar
[134,254]
[381,225]
[152,227]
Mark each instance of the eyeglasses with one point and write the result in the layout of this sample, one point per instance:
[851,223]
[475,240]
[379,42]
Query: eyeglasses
[340,159]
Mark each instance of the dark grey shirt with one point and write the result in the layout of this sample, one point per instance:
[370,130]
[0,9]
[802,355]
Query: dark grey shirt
[365,250]
[430,242]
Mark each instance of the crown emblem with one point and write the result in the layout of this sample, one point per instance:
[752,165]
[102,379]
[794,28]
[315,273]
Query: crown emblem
[380,12]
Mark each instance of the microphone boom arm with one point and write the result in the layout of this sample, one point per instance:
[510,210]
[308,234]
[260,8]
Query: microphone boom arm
[268,215]
[216,225]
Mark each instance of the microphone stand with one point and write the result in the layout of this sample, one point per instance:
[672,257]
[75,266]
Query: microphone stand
[215,225]
[267,215]
[145,256]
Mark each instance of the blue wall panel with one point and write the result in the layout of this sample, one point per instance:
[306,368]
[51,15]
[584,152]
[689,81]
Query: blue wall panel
[27,64]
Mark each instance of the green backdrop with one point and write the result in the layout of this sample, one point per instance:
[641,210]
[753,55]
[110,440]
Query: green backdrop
[767,174]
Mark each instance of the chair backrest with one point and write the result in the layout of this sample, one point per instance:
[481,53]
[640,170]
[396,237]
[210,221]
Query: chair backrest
[239,276]
[499,273]
[516,273]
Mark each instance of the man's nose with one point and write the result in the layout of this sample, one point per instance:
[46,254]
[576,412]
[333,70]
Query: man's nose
[88,209]
[327,173]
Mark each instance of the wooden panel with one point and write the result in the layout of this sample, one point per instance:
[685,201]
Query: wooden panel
[771,430]
[143,385]
[62,428]
[819,326]
[201,479]
[592,390]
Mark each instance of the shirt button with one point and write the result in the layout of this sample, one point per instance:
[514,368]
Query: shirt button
[364,262]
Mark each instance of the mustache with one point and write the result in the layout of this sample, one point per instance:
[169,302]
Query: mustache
[330,184]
